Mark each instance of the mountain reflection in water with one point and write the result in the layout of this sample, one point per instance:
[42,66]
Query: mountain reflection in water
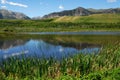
[41,48]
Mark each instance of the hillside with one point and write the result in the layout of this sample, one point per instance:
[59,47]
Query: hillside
[94,18]
[75,12]
[82,12]
[7,14]
[95,22]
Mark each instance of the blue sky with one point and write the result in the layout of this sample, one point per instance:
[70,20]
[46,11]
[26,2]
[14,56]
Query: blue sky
[34,8]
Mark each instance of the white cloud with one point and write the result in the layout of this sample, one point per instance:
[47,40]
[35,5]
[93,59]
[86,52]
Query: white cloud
[61,7]
[111,1]
[3,1]
[13,3]
[15,54]
[17,4]
[61,49]
[3,7]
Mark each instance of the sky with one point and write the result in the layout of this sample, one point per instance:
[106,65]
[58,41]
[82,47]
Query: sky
[33,8]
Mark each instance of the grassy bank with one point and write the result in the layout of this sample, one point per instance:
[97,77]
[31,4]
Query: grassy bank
[65,39]
[103,66]
[98,22]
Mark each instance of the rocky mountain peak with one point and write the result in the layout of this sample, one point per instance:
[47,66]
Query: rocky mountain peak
[7,14]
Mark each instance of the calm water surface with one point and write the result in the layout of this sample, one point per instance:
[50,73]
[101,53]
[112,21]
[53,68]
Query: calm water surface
[76,33]
[56,46]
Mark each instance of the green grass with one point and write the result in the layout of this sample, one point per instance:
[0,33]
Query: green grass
[97,22]
[95,18]
[103,66]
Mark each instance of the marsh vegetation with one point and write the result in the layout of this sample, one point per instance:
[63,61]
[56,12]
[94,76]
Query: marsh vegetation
[83,66]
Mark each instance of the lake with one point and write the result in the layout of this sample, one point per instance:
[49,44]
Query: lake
[55,44]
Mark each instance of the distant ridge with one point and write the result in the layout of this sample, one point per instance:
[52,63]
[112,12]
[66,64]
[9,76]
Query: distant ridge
[81,12]
[7,14]
[36,18]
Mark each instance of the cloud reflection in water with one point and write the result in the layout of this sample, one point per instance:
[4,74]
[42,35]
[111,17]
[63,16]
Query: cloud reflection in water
[40,48]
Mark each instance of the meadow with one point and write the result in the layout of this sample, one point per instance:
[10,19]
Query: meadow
[97,22]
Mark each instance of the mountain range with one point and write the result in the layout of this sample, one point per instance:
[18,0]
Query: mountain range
[80,11]
[7,14]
